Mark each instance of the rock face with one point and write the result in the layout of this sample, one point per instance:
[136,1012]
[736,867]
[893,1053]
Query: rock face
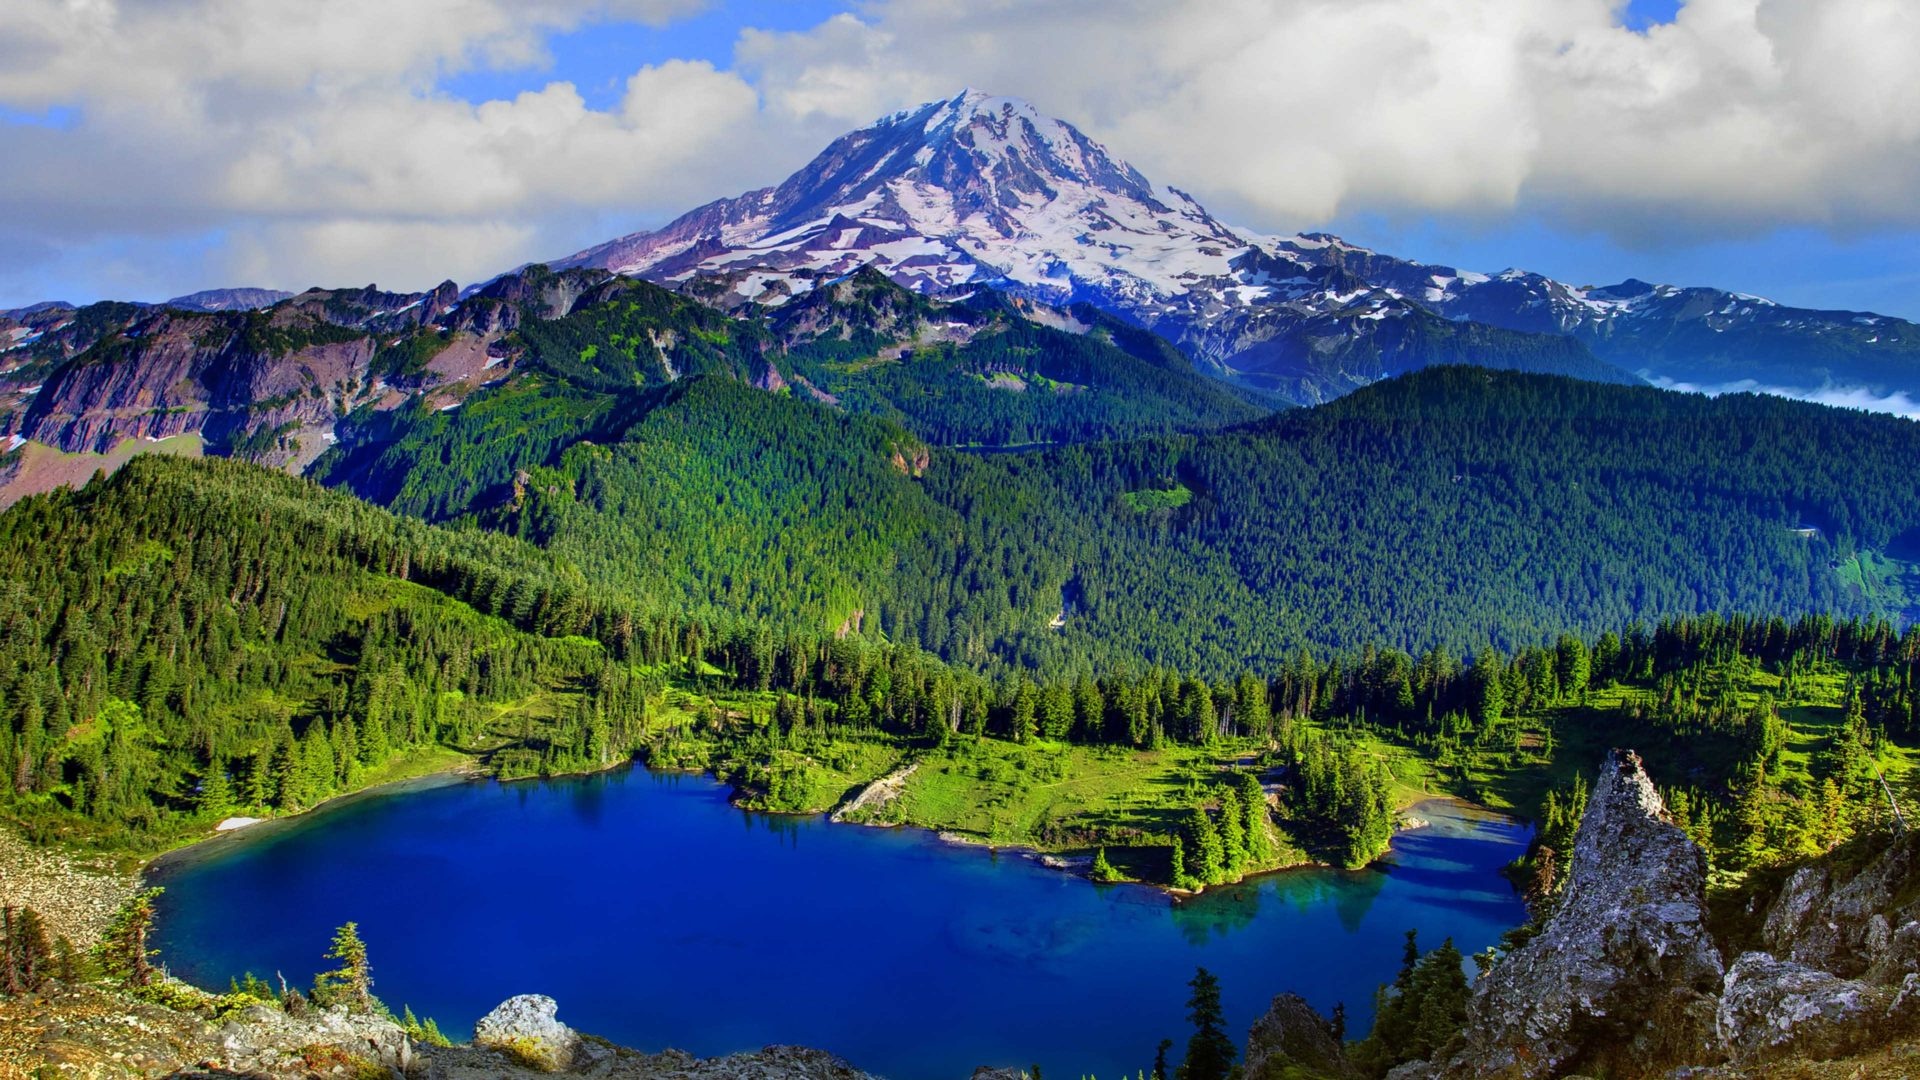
[528,1028]
[1292,1040]
[1863,925]
[1623,978]
[1771,1008]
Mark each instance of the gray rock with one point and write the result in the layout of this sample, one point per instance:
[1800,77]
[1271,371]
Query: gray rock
[1774,1008]
[1291,1035]
[1851,925]
[527,1028]
[988,1072]
[1623,979]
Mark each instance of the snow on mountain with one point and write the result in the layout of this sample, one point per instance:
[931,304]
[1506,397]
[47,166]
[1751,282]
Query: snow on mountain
[983,191]
[970,191]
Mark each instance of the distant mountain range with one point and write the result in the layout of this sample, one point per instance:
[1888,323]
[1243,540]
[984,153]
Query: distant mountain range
[981,191]
[987,211]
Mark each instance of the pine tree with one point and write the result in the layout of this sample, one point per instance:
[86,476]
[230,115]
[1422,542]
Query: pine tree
[1177,876]
[351,984]
[1210,1051]
[124,953]
[1206,859]
[26,955]
[216,791]
[1233,833]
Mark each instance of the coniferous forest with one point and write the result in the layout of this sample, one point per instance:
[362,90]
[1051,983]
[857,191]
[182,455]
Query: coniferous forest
[1029,584]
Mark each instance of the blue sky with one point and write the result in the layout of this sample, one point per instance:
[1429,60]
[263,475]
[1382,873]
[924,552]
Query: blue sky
[286,174]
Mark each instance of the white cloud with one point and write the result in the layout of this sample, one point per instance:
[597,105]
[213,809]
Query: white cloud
[307,133]
[1898,403]
[312,136]
[1739,115]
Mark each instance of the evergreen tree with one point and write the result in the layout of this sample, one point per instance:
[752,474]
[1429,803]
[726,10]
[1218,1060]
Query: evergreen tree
[124,952]
[350,984]
[1210,1050]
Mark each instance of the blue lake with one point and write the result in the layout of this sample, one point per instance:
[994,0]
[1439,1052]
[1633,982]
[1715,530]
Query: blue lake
[659,915]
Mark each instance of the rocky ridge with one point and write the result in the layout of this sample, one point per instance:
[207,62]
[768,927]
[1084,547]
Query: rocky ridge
[1624,973]
[283,383]
[1624,978]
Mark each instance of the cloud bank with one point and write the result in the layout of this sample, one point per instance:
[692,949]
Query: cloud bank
[308,144]
[1898,403]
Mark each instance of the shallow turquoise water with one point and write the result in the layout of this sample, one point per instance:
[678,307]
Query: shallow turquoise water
[659,915]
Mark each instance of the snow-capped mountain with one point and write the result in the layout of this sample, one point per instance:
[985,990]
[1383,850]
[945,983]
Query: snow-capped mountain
[974,190]
[983,191]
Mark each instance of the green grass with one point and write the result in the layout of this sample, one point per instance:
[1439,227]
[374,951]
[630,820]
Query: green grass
[1147,500]
[1889,584]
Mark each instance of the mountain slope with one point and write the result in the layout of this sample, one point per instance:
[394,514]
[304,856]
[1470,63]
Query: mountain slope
[995,371]
[1447,508]
[981,191]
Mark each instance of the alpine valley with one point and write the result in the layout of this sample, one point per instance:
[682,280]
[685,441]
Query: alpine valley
[968,479]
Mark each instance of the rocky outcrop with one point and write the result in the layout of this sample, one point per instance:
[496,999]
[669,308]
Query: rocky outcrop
[1623,978]
[1292,1041]
[1774,1008]
[1861,924]
[527,1027]
[265,1039]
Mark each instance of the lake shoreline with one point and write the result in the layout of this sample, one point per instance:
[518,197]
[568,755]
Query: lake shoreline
[1064,861]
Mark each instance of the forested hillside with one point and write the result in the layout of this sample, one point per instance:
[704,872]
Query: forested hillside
[191,639]
[188,638]
[995,371]
[1453,507]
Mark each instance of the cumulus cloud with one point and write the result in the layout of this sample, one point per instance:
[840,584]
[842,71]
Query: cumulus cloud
[312,140]
[304,131]
[1740,115]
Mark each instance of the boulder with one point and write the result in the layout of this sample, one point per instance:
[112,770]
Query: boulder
[1774,1008]
[1293,1040]
[527,1029]
[1623,979]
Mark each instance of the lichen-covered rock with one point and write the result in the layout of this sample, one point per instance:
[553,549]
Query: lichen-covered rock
[1293,1040]
[1623,979]
[988,1072]
[527,1029]
[1856,925]
[1774,1008]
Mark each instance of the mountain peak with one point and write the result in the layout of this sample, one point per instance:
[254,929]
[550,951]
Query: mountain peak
[973,189]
